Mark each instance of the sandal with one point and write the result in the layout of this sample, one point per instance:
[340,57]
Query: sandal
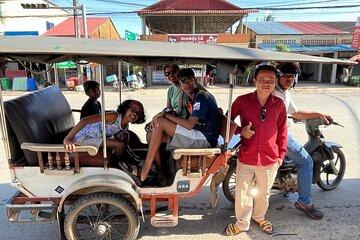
[232,230]
[125,168]
[266,227]
[311,212]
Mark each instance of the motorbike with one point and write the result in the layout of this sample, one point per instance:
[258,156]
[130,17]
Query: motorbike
[329,163]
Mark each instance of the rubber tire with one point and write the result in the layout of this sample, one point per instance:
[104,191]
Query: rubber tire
[337,153]
[100,198]
[231,174]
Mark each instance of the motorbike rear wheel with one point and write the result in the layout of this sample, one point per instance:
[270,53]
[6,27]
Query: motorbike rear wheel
[328,179]
[229,183]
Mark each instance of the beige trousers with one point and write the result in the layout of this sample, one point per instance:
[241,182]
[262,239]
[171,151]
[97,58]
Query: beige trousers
[248,206]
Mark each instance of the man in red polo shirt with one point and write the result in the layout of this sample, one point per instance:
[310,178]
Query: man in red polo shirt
[263,146]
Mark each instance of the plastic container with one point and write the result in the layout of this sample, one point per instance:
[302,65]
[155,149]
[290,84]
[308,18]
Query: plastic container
[31,84]
[5,83]
[72,82]
[19,84]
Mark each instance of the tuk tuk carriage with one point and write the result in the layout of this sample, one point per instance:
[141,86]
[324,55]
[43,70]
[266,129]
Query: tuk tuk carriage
[87,195]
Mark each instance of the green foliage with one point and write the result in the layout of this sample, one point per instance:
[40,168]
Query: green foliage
[354,81]
[280,47]
[268,18]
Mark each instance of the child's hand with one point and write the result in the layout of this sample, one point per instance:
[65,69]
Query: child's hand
[69,145]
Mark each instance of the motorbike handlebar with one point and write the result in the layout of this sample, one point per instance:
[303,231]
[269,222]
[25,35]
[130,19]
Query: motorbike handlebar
[315,122]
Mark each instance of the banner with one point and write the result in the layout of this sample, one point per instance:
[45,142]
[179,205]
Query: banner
[356,36]
[193,38]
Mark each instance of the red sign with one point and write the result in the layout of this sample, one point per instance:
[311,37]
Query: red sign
[356,36]
[193,38]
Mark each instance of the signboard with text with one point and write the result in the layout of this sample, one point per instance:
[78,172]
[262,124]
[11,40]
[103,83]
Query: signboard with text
[356,36]
[130,36]
[193,38]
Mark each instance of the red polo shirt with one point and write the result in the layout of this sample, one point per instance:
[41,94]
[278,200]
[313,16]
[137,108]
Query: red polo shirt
[270,138]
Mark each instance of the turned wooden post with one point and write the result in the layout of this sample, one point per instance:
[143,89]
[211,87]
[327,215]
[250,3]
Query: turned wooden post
[50,161]
[67,161]
[58,161]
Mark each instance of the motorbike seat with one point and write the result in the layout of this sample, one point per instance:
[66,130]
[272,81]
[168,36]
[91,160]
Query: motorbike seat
[288,163]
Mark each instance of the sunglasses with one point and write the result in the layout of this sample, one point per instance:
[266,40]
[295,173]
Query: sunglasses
[170,72]
[263,114]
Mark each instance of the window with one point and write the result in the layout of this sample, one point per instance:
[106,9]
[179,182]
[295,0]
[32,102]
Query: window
[49,25]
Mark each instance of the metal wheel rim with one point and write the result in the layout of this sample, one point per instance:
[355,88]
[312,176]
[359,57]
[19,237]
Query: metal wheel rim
[326,177]
[101,221]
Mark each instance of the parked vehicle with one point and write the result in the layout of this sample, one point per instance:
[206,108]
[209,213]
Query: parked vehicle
[329,163]
[83,191]
[135,81]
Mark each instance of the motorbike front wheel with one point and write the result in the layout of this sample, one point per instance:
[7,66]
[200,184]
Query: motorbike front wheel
[102,216]
[329,180]
[229,183]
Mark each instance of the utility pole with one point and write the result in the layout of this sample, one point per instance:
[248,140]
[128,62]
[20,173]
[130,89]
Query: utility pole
[76,20]
[77,35]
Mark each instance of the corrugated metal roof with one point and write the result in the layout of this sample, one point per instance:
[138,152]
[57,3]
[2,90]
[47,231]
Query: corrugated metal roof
[312,28]
[190,6]
[283,28]
[346,27]
[271,28]
[66,28]
[302,48]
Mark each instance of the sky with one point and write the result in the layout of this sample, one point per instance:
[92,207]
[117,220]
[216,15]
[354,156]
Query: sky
[120,11]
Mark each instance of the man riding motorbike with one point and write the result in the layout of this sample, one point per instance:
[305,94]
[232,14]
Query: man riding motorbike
[287,72]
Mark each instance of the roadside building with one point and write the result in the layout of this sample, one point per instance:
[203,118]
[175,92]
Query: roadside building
[325,39]
[203,21]
[17,20]
[96,28]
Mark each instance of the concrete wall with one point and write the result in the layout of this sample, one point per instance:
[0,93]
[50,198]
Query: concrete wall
[14,17]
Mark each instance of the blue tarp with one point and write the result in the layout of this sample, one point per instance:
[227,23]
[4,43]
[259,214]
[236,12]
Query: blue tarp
[302,48]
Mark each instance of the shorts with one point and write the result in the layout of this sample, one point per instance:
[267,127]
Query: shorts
[185,138]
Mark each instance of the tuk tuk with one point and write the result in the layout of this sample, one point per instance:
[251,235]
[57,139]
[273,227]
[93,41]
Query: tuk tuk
[82,190]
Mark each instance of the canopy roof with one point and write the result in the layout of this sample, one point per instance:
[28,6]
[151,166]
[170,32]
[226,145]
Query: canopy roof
[105,51]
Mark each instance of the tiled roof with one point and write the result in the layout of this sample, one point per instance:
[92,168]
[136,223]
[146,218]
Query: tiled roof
[191,6]
[283,28]
[66,28]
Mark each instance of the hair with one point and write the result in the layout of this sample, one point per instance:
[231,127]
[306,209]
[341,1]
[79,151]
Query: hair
[185,73]
[288,68]
[265,68]
[90,85]
[125,105]
[175,67]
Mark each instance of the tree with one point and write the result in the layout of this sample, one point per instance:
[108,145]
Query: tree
[268,18]
[280,47]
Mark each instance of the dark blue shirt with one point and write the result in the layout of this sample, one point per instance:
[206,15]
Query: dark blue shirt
[206,109]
